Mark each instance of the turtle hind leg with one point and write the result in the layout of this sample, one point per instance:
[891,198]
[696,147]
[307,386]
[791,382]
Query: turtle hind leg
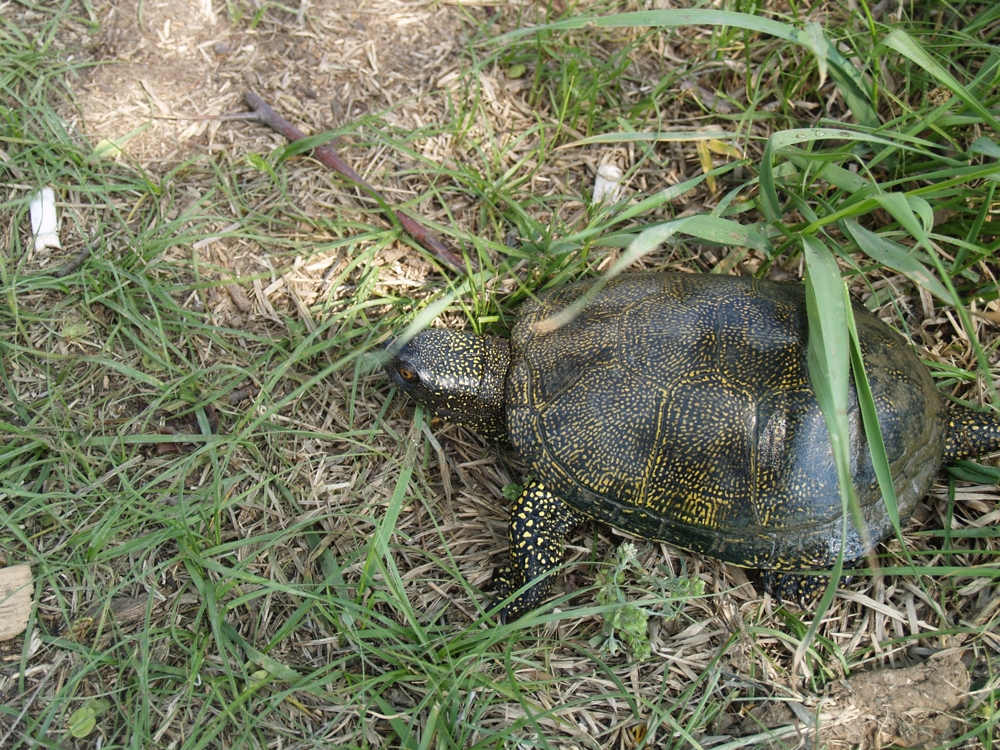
[539,522]
[803,589]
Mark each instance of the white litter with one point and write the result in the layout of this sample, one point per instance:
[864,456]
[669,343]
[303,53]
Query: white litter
[44,223]
[607,186]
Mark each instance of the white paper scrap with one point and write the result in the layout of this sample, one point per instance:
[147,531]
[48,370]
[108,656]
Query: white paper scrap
[607,186]
[44,223]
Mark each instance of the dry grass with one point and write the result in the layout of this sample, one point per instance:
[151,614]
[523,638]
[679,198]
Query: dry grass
[241,537]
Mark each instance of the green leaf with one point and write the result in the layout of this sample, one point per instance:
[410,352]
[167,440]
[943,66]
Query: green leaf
[512,491]
[834,174]
[788,143]
[828,351]
[873,434]
[83,721]
[828,357]
[970,471]
[770,206]
[257,162]
[797,136]
[986,147]
[815,39]
[681,136]
[75,330]
[727,232]
[712,228]
[898,258]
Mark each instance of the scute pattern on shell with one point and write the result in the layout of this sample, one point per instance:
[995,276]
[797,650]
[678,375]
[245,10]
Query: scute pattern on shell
[678,407]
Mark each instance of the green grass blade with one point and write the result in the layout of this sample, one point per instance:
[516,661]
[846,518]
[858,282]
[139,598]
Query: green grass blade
[828,357]
[905,210]
[848,79]
[907,46]
[828,350]
[873,433]
[897,257]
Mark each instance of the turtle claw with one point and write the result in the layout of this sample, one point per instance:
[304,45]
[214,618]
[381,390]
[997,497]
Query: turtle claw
[504,584]
[801,589]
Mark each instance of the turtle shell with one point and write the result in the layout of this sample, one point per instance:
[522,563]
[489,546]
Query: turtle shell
[678,407]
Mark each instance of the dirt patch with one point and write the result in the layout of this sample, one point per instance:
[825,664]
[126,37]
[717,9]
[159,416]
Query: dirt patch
[909,707]
[169,68]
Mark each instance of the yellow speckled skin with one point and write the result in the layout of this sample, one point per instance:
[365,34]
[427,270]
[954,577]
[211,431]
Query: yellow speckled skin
[678,407]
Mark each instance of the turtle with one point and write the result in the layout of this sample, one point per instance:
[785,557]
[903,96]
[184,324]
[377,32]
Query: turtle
[678,407]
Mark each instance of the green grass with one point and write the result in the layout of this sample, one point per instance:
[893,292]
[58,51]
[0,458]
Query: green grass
[308,571]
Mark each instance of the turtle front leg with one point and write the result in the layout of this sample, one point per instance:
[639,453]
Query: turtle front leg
[539,522]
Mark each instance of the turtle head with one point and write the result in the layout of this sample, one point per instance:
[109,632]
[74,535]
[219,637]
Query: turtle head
[459,376]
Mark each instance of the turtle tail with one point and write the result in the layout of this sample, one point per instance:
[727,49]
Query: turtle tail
[971,433]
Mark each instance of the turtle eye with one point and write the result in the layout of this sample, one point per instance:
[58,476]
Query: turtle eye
[407,373]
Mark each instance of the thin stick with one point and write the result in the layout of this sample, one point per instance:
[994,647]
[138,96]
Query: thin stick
[329,157]
[74,264]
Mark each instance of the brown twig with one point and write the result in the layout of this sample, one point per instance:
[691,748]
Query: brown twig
[329,157]
[74,264]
